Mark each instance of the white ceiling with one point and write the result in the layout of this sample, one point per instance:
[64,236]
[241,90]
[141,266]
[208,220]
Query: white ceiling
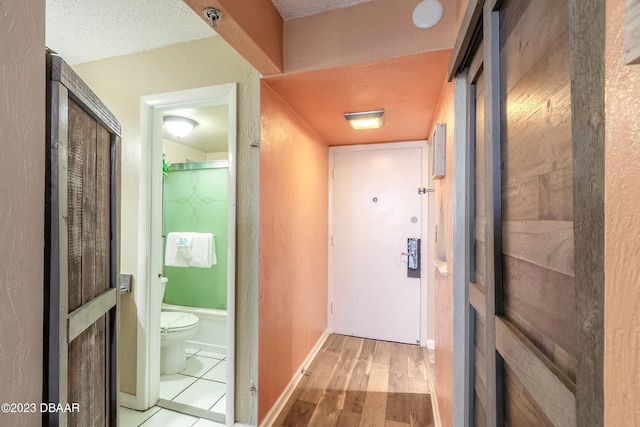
[291,9]
[87,30]
[210,136]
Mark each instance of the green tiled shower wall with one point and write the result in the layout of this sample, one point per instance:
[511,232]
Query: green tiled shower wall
[197,201]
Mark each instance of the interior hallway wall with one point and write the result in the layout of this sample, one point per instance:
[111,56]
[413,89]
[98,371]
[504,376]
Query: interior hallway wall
[622,230]
[22,168]
[444,285]
[120,82]
[293,244]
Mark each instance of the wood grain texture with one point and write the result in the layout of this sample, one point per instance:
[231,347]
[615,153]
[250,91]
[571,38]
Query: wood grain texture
[526,34]
[548,387]
[493,210]
[398,406]
[89,202]
[61,72]
[542,297]
[547,196]
[299,414]
[85,197]
[357,388]
[520,409]
[587,42]
[480,220]
[537,200]
[477,298]
[548,244]
[480,378]
[80,125]
[371,384]
[103,210]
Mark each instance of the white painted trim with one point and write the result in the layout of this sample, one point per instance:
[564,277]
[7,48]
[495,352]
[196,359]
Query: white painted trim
[277,407]
[431,344]
[425,179]
[128,401]
[150,243]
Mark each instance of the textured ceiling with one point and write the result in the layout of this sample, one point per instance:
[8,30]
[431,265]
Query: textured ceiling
[87,30]
[291,9]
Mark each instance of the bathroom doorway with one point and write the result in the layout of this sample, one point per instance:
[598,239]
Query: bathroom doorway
[205,388]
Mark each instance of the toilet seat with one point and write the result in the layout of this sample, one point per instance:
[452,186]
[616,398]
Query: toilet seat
[171,321]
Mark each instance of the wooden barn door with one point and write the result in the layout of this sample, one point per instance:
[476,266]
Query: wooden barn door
[82,254]
[534,354]
[476,243]
[536,332]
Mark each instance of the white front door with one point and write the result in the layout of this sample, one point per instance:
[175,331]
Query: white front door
[375,209]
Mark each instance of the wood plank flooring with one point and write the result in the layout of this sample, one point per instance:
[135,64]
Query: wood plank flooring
[355,382]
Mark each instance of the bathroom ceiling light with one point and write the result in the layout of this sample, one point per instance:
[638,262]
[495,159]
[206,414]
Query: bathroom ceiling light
[427,13]
[179,126]
[365,119]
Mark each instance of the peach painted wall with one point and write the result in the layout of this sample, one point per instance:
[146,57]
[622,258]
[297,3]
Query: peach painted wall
[622,232]
[22,165]
[253,29]
[367,32]
[444,285]
[293,244]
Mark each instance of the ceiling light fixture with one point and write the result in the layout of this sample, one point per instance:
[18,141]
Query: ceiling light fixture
[365,119]
[427,13]
[179,126]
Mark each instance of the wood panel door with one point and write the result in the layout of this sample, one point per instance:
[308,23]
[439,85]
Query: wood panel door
[82,253]
[521,346]
[476,244]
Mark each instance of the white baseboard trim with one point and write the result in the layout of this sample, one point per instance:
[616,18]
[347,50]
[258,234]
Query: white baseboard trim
[128,401]
[275,410]
[206,347]
[431,344]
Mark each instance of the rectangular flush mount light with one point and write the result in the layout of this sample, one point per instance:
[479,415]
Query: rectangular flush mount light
[365,119]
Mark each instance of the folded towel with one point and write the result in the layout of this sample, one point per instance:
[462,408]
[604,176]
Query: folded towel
[190,250]
[172,256]
[203,251]
[185,245]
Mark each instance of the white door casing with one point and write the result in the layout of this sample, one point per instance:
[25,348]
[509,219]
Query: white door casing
[374,208]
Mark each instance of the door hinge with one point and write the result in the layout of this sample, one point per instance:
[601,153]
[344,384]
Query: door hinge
[424,190]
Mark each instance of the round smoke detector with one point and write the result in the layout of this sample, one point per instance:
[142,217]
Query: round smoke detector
[427,13]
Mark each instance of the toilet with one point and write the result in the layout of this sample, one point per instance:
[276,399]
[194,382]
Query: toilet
[175,329]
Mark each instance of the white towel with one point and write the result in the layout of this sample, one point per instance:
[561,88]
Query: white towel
[173,257]
[203,251]
[190,250]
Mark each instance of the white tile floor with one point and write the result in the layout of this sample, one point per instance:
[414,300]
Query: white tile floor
[201,384]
